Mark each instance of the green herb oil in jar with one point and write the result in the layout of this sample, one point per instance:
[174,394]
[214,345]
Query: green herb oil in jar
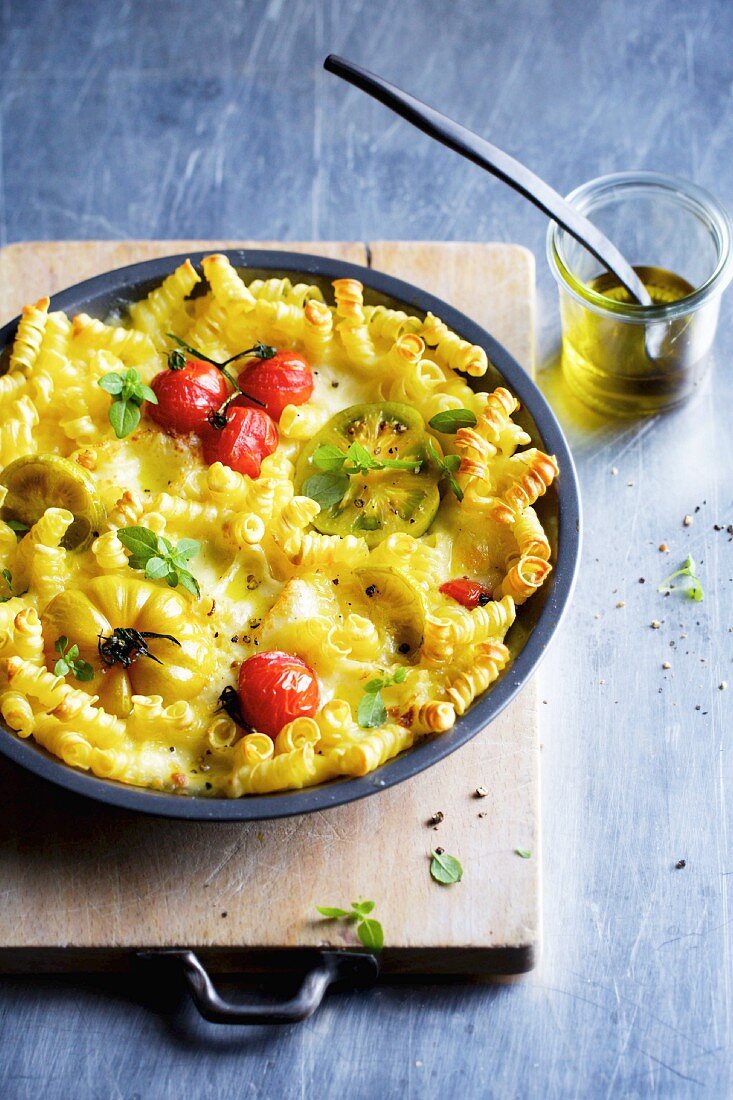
[627,363]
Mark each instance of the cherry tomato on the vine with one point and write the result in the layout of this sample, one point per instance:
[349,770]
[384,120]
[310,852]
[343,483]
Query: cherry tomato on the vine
[187,396]
[467,592]
[275,688]
[284,379]
[247,436]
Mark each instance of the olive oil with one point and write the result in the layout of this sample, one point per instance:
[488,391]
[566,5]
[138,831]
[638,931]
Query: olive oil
[620,360]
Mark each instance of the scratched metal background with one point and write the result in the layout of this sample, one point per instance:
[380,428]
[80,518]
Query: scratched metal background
[213,119]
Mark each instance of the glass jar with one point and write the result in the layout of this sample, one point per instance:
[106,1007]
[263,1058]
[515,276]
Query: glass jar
[617,356]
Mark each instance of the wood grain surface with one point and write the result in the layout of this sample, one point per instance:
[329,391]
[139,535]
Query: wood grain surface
[82,877]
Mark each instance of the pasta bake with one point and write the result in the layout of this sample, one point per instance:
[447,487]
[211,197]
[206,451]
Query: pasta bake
[252,540]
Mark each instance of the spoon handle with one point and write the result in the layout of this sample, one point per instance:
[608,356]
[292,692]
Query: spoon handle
[486,155]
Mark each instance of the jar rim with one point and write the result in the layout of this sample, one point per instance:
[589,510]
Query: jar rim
[690,195]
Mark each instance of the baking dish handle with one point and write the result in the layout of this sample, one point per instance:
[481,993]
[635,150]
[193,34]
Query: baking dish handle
[345,968]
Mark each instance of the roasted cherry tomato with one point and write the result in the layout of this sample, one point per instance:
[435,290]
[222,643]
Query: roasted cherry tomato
[285,379]
[187,396]
[469,593]
[275,688]
[247,436]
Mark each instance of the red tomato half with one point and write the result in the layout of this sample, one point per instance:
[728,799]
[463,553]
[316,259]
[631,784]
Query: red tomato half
[469,593]
[187,396]
[275,688]
[248,436]
[286,379]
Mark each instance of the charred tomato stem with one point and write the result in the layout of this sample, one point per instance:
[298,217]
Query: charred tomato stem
[261,351]
[124,645]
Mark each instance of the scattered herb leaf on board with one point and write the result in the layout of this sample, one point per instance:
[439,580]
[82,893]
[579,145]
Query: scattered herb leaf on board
[523,852]
[445,869]
[368,929]
[693,590]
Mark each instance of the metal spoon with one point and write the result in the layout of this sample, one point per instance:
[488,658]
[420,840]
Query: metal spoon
[486,155]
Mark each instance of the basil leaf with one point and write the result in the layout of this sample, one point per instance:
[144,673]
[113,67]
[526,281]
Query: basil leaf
[332,911]
[451,463]
[329,458]
[112,383]
[374,685]
[326,489]
[372,711]
[399,676]
[61,643]
[188,548]
[83,671]
[124,416]
[189,582]
[450,421]
[445,869]
[140,541]
[72,653]
[360,457]
[156,568]
[362,908]
[371,934]
[61,668]
[17,526]
[523,852]
[147,394]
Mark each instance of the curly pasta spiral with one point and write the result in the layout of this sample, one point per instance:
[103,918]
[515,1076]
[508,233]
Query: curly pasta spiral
[450,350]
[163,309]
[485,668]
[29,336]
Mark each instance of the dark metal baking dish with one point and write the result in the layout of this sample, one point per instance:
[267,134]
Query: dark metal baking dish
[536,623]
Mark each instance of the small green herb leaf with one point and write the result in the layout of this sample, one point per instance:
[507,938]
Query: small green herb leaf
[369,930]
[693,590]
[326,489]
[111,383]
[70,662]
[128,392]
[140,541]
[371,934]
[524,853]
[445,869]
[17,526]
[361,459]
[156,568]
[332,912]
[189,582]
[363,908]
[8,578]
[329,458]
[372,711]
[451,420]
[159,559]
[188,548]
[448,467]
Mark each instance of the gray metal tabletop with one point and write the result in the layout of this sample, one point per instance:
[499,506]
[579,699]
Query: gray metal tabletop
[214,120]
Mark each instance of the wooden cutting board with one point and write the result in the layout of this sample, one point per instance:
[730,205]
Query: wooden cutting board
[82,884]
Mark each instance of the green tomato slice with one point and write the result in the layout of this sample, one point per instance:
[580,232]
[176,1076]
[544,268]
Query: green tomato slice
[374,502]
[37,482]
